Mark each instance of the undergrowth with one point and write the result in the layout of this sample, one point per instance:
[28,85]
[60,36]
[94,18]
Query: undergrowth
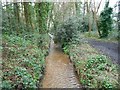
[94,69]
[112,37]
[23,61]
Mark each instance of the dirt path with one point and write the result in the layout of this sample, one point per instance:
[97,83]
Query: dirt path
[108,48]
[59,70]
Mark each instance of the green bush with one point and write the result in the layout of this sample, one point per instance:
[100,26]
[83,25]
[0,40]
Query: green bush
[105,22]
[67,31]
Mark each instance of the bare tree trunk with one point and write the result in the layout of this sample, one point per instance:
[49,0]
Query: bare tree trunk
[98,6]
[39,16]
[63,11]
[42,10]
[119,15]
[8,14]
[88,13]
[84,10]
[16,12]
[50,17]
[17,16]
[76,8]
[27,14]
[95,17]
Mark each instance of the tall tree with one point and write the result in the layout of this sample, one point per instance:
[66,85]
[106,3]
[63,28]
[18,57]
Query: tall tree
[27,14]
[16,16]
[78,7]
[118,15]
[89,14]
[16,12]
[50,16]
[84,9]
[42,10]
[95,11]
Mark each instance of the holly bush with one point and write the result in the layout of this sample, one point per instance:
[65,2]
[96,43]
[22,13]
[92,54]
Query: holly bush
[105,22]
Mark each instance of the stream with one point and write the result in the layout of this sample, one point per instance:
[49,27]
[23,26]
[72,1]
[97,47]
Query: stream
[59,71]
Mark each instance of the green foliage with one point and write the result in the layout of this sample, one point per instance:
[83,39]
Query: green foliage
[9,23]
[105,22]
[107,84]
[6,84]
[25,77]
[96,62]
[23,61]
[66,49]
[24,45]
[67,31]
[112,37]
[42,10]
[93,68]
[84,26]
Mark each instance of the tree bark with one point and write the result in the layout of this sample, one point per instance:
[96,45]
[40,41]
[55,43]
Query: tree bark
[16,12]
[27,14]
[95,17]
[17,16]
[42,10]
[88,13]
[84,10]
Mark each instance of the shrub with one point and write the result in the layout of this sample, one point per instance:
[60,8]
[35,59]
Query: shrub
[67,31]
[105,23]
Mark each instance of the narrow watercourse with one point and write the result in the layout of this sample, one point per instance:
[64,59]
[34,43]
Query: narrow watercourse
[59,71]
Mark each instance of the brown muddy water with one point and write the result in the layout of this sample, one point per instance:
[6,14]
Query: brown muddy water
[59,72]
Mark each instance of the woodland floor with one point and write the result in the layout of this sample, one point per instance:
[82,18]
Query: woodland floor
[108,48]
[59,71]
